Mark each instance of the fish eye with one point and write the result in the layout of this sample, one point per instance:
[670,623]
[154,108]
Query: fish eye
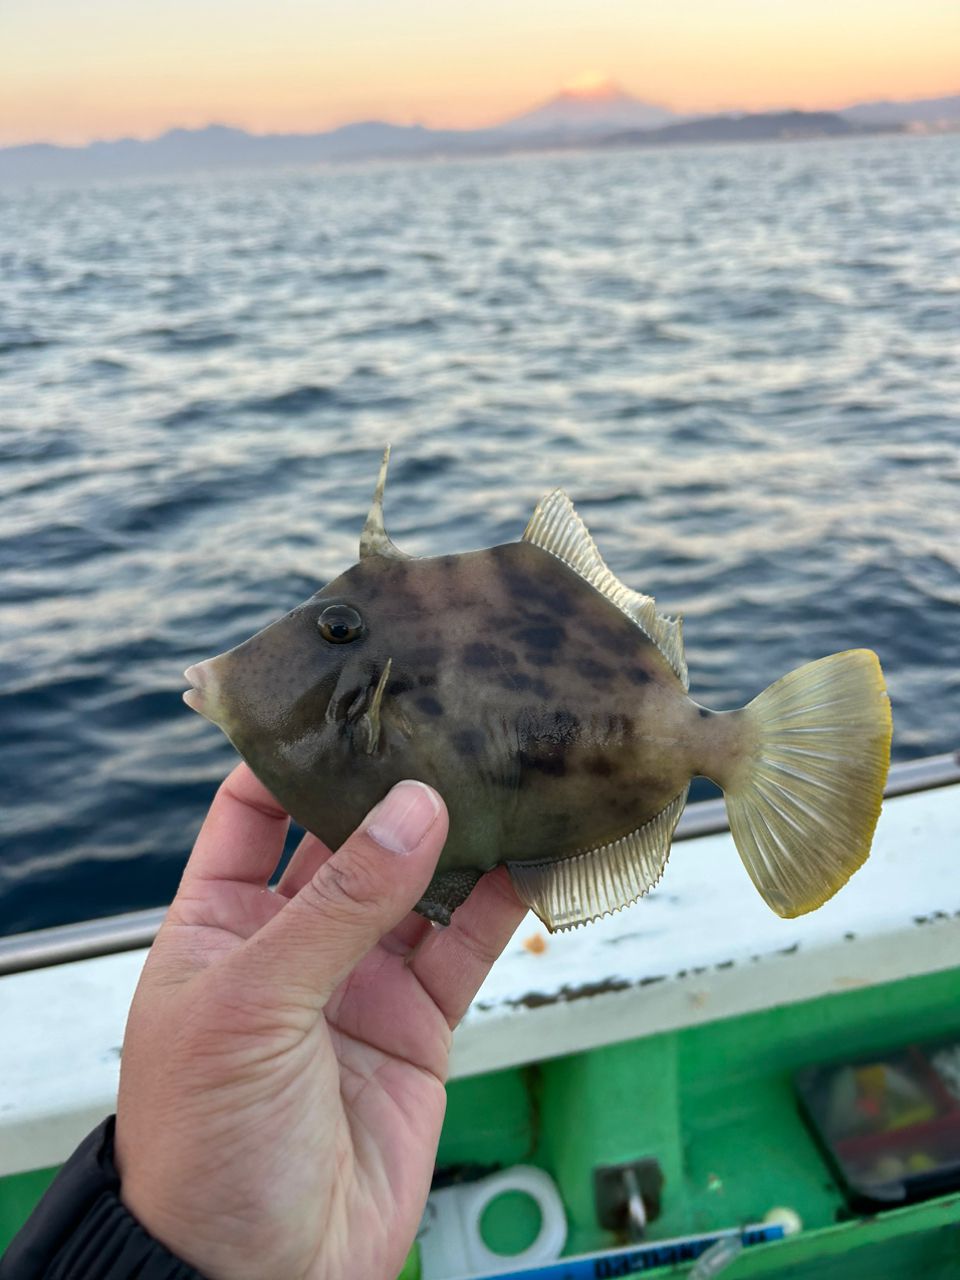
[340,624]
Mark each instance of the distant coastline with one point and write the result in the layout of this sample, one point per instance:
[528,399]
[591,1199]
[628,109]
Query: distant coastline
[560,124]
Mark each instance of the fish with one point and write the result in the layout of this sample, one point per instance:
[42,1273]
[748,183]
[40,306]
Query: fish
[548,704]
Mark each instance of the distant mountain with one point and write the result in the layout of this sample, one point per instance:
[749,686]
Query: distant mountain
[597,107]
[934,112]
[764,126]
[219,148]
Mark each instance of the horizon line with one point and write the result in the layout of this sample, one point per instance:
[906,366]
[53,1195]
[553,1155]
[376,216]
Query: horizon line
[435,128]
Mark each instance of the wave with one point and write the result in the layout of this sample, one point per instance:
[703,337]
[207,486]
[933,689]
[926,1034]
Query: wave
[752,399]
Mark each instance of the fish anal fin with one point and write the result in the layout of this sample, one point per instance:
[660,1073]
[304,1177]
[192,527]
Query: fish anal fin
[573,891]
[555,527]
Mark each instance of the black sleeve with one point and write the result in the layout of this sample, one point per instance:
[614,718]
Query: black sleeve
[80,1230]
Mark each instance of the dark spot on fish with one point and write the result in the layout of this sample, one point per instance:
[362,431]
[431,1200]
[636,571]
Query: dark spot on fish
[430,705]
[478,654]
[614,639]
[426,681]
[620,726]
[704,712]
[528,684]
[530,593]
[565,727]
[557,826]
[594,670]
[469,742]
[398,686]
[640,675]
[551,763]
[518,582]
[600,766]
[621,638]
[545,637]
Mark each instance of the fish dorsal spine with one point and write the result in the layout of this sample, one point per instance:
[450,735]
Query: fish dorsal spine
[374,540]
[555,527]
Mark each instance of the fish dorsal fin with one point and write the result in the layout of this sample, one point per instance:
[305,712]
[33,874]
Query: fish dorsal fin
[556,527]
[572,891]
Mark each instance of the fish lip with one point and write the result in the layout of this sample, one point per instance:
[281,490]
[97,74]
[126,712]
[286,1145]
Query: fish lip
[193,696]
[205,695]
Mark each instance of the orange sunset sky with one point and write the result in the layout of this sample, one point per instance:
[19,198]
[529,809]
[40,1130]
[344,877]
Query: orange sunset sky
[72,70]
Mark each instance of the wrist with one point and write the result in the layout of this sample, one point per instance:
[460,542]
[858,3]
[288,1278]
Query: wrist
[81,1227]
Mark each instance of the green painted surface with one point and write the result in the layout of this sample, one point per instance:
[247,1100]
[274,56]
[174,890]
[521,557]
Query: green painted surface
[919,1243]
[489,1121]
[510,1223]
[17,1197]
[715,1105]
[604,1108]
[411,1268]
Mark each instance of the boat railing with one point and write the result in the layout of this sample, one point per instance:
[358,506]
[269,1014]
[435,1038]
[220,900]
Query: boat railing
[134,930]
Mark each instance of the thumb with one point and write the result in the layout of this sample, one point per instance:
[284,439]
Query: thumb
[360,893]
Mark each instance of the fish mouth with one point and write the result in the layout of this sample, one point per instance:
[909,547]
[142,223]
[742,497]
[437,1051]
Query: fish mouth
[202,694]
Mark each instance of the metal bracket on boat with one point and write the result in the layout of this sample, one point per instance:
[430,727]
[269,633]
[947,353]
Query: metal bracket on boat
[627,1196]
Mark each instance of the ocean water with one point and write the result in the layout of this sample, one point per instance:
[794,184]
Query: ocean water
[742,362]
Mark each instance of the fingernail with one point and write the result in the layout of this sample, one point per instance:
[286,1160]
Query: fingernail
[403,817]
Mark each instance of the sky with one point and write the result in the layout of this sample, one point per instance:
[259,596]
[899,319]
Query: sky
[74,70]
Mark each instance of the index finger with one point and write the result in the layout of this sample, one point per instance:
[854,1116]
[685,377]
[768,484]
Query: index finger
[242,837]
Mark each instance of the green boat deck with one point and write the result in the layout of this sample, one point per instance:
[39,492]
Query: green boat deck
[715,1105]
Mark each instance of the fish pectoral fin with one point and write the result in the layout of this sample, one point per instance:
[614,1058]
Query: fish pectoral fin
[589,885]
[366,726]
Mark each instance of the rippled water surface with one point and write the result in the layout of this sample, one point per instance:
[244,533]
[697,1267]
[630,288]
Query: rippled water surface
[741,362]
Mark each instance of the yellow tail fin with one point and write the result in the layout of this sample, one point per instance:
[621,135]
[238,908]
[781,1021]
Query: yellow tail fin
[804,797]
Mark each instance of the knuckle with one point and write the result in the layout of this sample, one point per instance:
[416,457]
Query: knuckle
[480,948]
[347,884]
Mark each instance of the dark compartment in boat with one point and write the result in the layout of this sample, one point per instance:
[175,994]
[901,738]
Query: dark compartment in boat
[890,1123]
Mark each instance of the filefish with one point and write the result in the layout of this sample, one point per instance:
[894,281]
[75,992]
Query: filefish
[547,703]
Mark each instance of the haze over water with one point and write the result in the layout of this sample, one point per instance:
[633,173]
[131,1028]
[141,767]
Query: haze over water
[742,363]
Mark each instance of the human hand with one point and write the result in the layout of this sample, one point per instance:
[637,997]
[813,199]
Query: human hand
[281,1089]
